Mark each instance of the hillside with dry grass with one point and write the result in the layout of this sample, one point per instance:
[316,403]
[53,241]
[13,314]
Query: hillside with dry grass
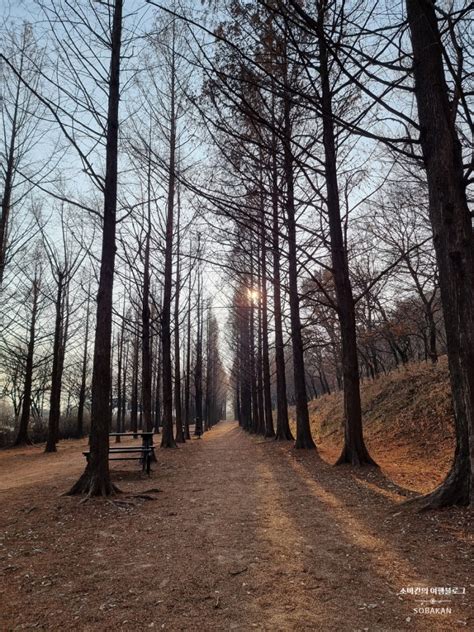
[408,424]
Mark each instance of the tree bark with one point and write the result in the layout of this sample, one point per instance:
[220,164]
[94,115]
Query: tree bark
[22,437]
[255,422]
[283,431]
[180,437]
[259,362]
[267,393]
[134,397]
[146,337]
[354,450]
[303,429]
[198,427]
[96,478]
[9,177]
[453,241]
[158,386]
[120,381]
[82,390]
[245,365]
[187,384]
[207,398]
[167,438]
[56,376]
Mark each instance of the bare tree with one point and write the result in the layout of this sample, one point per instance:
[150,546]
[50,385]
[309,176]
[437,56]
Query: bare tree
[453,239]
[20,114]
[64,264]
[96,478]
[22,436]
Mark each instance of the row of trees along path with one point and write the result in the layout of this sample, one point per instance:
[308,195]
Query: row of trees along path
[269,96]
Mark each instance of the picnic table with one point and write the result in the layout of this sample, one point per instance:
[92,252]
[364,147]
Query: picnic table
[144,453]
[147,437]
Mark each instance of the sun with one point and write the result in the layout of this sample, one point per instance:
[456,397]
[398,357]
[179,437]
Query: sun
[253,295]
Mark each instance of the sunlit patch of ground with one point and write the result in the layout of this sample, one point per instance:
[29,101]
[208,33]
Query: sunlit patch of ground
[243,534]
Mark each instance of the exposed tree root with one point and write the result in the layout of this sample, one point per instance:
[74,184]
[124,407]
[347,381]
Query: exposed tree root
[357,456]
[305,443]
[454,491]
[282,435]
[167,438]
[22,441]
[91,484]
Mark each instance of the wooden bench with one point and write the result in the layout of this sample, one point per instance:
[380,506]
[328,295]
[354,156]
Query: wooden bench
[144,453]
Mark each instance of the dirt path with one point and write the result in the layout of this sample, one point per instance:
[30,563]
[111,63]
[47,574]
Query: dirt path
[244,534]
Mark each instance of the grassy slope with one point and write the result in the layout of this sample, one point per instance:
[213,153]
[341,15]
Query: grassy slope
[408,424]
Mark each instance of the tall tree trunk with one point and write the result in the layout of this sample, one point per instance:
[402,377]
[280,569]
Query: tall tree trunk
[198,428]
[252,364]
[96,478]
[158,386]
[211,366]
[64,338]
[267,392]
[283,431]
[354,450]
[453,240]
[259,362]
[6,204]
[180,438]
[245,369]
[124,390]
[134,398]
[82,390]
[207,397]
[9,176]
[167,438]
[303,429]
[120,382]
[22,437]
[59,352]
[147,424]
[187,384]
[56,378]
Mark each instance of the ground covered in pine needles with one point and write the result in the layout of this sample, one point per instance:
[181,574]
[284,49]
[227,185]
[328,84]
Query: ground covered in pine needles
[231,532]
[408,423]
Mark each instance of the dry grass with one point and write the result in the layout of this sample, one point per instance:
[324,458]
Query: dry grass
[407,417]
[414,399]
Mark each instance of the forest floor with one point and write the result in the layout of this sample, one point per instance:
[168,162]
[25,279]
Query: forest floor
[244,533]
[408,423]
